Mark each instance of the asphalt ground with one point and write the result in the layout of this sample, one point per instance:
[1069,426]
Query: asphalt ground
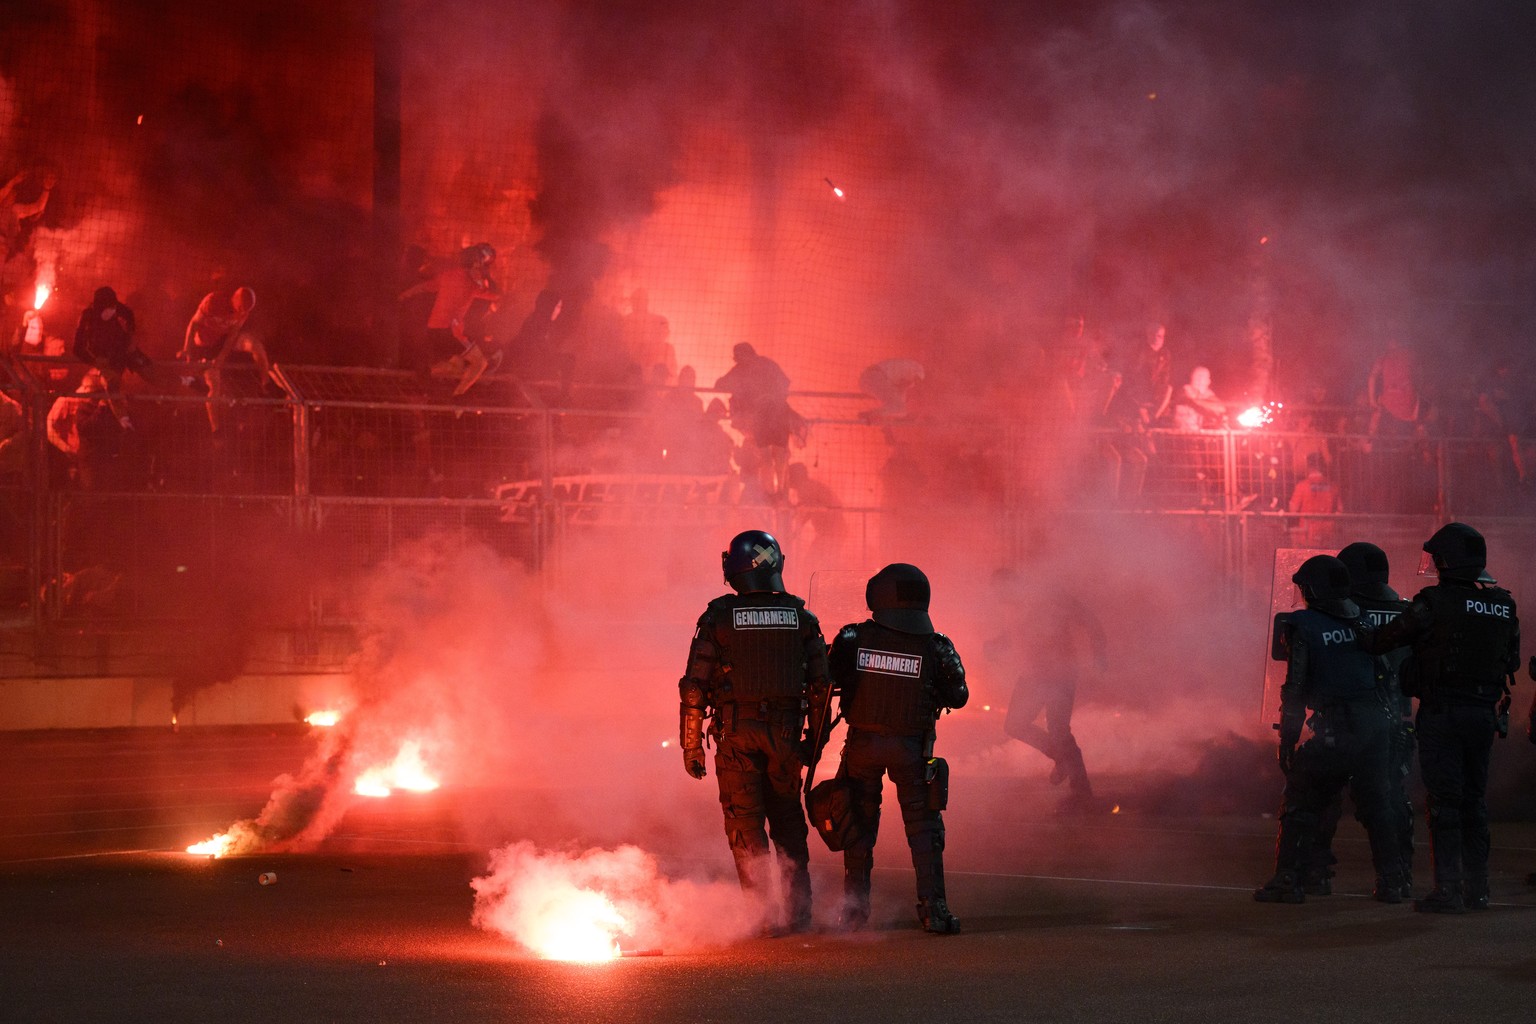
[1136,916]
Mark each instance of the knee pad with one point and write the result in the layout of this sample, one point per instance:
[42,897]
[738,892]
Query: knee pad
[747,834]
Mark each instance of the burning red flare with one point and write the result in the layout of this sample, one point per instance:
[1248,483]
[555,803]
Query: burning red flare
[1258,415]
[40,296]
[407,771]
[323,719]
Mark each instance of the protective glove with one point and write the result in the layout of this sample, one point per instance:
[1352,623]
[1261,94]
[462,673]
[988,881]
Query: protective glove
[690,736]
[1291,721]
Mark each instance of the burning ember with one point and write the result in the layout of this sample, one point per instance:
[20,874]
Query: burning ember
[241,838]
[407,771]
[835,190]
[1258,415]
[323,719]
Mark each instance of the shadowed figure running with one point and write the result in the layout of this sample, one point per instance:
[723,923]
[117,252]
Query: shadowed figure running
[1053,644]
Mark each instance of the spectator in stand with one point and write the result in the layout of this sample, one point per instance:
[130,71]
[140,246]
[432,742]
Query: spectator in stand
[15,435]
[1397,417]
[818,510]
[82,427]
[1127,446]
[104,340]
[645,335]
[1316,501]
[1199,408]
[889,380]
[1148,376]
[1393,392]
[690,439]
[215,333]
[1500,420]
[458,285]
[759,391]
[18,217]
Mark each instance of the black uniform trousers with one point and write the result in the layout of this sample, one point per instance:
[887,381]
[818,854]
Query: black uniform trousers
[1321,859]
[1350,745]
[758,767]
[1054,696]
[869,756]
[1455,744]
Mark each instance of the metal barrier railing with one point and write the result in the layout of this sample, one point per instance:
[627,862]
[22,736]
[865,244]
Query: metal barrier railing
[162,521]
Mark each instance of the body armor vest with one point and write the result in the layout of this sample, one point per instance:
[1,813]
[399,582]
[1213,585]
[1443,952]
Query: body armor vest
[1465,654]
[888,679]
[1338,668]
[762,639]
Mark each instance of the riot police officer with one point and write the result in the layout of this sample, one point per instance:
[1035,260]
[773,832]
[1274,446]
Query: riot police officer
[755,656]
[1379,604]
[1465,641]
[893,676]
[1330,675]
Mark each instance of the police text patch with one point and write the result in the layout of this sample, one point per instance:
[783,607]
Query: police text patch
[766,618]
[910,665]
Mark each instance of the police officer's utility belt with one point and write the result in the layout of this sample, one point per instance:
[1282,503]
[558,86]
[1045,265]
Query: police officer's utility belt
[763,710]
[887,730]
[1439,700]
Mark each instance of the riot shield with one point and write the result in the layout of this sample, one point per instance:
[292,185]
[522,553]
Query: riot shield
[837,598]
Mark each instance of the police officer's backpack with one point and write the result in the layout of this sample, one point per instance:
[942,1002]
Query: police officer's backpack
[830,807]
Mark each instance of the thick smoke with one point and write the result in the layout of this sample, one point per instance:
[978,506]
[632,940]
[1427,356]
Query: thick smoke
[559,905]
[1341,174]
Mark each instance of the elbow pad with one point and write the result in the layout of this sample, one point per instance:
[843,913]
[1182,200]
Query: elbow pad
[952,688]
[692,693]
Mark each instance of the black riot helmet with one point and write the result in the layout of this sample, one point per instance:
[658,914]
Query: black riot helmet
[1368,571]
[1324,583]
[1457,552]
[897,597]
[753,562]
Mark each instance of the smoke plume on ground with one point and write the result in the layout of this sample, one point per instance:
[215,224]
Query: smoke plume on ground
[581,906]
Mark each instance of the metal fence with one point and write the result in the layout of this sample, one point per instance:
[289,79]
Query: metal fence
[269,521]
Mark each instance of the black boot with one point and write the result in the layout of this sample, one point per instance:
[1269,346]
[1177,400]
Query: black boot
[935,916]
[855,913]
[1285,887]
[797,880]
[1318,882]
[1474,893]
[1441,901]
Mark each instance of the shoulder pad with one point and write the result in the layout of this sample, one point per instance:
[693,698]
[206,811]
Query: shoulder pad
[848,633]
[943,641]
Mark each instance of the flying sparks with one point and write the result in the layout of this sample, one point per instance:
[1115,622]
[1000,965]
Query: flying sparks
[1259,415]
